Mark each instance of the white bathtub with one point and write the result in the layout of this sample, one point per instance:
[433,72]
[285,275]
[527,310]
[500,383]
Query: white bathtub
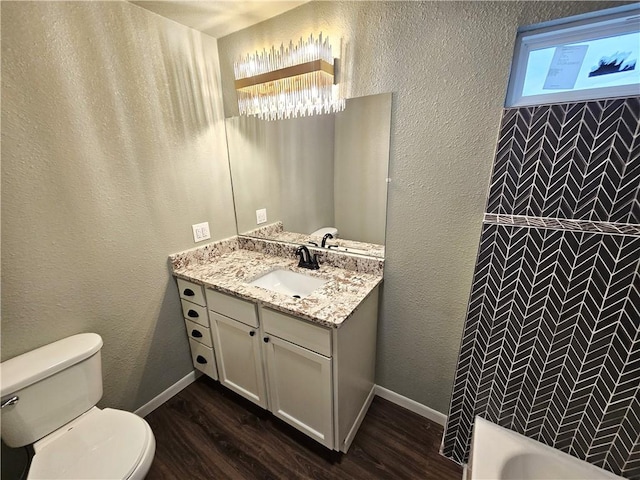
[500,454]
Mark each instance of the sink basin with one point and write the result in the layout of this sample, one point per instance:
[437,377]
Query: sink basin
[289,283]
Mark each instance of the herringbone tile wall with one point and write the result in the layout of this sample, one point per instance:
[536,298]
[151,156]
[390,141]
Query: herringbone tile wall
[568,161]
[551,343]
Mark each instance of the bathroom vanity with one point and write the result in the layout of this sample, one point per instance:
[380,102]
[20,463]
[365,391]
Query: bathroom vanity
[311,360]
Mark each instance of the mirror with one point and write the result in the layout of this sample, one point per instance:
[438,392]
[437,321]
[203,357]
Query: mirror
[314,172]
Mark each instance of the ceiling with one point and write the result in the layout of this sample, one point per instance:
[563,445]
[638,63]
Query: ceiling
[218,18]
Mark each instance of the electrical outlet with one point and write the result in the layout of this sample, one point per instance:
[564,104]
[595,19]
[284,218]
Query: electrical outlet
[261,216]
[201,232]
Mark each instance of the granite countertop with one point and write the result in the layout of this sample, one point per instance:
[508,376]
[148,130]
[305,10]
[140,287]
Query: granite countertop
[330,305]
[276,232]
[348,245]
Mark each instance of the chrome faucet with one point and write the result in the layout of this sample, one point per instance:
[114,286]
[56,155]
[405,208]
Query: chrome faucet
[306,260]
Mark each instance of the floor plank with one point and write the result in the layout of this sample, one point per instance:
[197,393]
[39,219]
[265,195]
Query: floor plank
[208,432]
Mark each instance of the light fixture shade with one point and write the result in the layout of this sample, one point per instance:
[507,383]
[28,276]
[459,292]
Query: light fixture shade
[290,82]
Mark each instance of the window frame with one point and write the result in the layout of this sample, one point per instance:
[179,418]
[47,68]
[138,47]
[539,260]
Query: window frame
[581,28]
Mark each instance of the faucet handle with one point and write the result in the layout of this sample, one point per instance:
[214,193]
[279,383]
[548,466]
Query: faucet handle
[303,252]
[306,260]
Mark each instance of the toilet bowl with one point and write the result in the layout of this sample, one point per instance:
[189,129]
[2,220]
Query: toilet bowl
[100,444]
[48,400]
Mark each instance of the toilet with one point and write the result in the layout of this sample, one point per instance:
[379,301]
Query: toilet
[321,232]
[49,398]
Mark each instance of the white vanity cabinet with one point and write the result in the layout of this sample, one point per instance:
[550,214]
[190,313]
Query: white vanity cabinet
[318,379]
[299,368]
[234,323]
[196,321]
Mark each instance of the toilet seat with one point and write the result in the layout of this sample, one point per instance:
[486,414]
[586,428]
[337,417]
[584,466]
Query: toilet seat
[101,444]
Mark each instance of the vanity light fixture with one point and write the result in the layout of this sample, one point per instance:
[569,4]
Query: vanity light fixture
[291,82]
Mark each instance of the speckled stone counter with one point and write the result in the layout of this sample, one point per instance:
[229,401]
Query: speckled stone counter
[276,232]
[226,267]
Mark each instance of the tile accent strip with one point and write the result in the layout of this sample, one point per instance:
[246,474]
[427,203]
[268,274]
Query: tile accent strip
[551,342]
[562,224]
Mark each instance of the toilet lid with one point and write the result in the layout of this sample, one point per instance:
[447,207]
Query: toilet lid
[107,444]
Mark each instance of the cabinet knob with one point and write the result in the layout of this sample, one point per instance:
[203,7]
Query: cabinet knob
[196,334]
[201,360]
[266,339]
[252,333]
[188,292]
[193,314]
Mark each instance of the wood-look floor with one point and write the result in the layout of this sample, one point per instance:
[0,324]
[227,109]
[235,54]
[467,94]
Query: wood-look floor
[208,432]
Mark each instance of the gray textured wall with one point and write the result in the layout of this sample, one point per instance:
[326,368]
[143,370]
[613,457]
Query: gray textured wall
[112,146]
[447,64]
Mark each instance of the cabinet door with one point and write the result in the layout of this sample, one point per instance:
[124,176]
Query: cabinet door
[300,388]
[237,350]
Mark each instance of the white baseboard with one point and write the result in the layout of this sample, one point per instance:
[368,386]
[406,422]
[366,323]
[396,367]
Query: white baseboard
[356,425]
[412,405]
[385,393]
[174,389]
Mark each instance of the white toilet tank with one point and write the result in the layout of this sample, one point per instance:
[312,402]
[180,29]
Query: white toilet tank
[54,384]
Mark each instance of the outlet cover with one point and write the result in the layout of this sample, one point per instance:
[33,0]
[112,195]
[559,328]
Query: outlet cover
[261,216]
[201,232]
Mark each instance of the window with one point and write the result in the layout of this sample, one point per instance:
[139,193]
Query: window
[579,58]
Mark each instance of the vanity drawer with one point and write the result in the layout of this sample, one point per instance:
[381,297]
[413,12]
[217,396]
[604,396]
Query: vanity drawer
[233,307]
[295,330]
[195,313]
[203,358]
[191,291]
[199,333]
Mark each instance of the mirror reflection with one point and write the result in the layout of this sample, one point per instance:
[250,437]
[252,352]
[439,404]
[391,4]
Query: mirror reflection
[296,180]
